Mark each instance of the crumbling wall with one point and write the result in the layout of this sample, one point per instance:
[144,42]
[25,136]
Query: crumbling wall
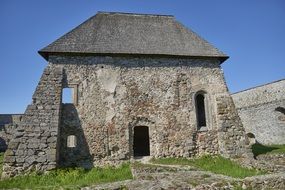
[115,94]
[34,143]
[6,135]
[262,111]
[5,119]
[207,142]
[7,127]
[231,134]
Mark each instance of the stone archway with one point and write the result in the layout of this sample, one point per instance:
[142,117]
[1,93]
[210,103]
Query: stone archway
[141,146]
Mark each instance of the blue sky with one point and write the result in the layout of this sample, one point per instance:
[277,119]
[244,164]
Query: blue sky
[251,32]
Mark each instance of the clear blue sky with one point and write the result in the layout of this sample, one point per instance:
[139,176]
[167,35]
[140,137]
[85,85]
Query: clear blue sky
[251,32]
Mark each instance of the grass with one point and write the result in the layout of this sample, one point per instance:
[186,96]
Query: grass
[172,161]
[258,149]
[215,164]
[1,162]
[71,178]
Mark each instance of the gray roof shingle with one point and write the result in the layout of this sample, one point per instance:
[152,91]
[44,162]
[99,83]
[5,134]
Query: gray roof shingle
[132,34]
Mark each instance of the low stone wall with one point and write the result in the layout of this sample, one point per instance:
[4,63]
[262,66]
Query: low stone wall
[8,123]
[184,177]
[5,136]
[273,181]
[276,159]
[9,119]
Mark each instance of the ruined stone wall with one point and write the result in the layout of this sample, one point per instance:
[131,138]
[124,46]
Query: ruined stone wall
[262,110]
[115,94]
[9,119]
[34,142]
[207,142]
[6,135]
[7,129]
[231,134]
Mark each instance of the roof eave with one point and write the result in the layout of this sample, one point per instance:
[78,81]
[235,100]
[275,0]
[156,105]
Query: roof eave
[46,54]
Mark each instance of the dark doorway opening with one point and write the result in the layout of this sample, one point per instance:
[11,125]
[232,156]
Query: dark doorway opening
[201,115]
[141,141]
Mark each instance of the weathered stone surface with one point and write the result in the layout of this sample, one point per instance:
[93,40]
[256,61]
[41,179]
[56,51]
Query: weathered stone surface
[115,94]
[260,109]
[112,95]
[28,135]
[8,122]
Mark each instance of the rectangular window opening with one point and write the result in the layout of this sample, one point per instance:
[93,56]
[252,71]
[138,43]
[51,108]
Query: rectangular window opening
[71,141]
[68,95]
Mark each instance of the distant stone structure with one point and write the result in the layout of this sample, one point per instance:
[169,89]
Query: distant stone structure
[262,111]
[142,85]
[6,128]
[9,118]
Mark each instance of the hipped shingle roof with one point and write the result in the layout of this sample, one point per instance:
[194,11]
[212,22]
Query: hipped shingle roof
[132,34]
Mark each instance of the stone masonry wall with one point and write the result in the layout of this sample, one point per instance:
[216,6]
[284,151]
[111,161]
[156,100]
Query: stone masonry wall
[34,143]
[111,96]
[115,94]
[262,110]
[8,118]
[71,125]
[231,134]
[7,128]
[6,135]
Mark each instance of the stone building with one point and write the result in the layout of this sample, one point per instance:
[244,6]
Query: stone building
[142,85]
[262,111]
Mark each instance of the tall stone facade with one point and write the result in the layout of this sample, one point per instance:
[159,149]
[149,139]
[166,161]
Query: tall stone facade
[262,110]
[180,97]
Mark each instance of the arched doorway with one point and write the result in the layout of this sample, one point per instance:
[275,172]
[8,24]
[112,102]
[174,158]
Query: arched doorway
[141,141]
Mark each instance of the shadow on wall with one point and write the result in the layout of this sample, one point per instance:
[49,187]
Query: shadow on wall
[258,149]
[281,117]
[73,150]
[3,145]
[280,109]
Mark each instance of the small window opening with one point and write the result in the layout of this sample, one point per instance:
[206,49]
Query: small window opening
[280,109]
[281,116]
[67,96]
[71,141]
[200,111]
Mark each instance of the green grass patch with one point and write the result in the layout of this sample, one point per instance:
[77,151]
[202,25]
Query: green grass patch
[139,165]
[215,164]
[69,178]
[172,161]
[1,162]
[258,149]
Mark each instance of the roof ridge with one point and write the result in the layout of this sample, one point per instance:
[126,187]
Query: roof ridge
[135,14]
